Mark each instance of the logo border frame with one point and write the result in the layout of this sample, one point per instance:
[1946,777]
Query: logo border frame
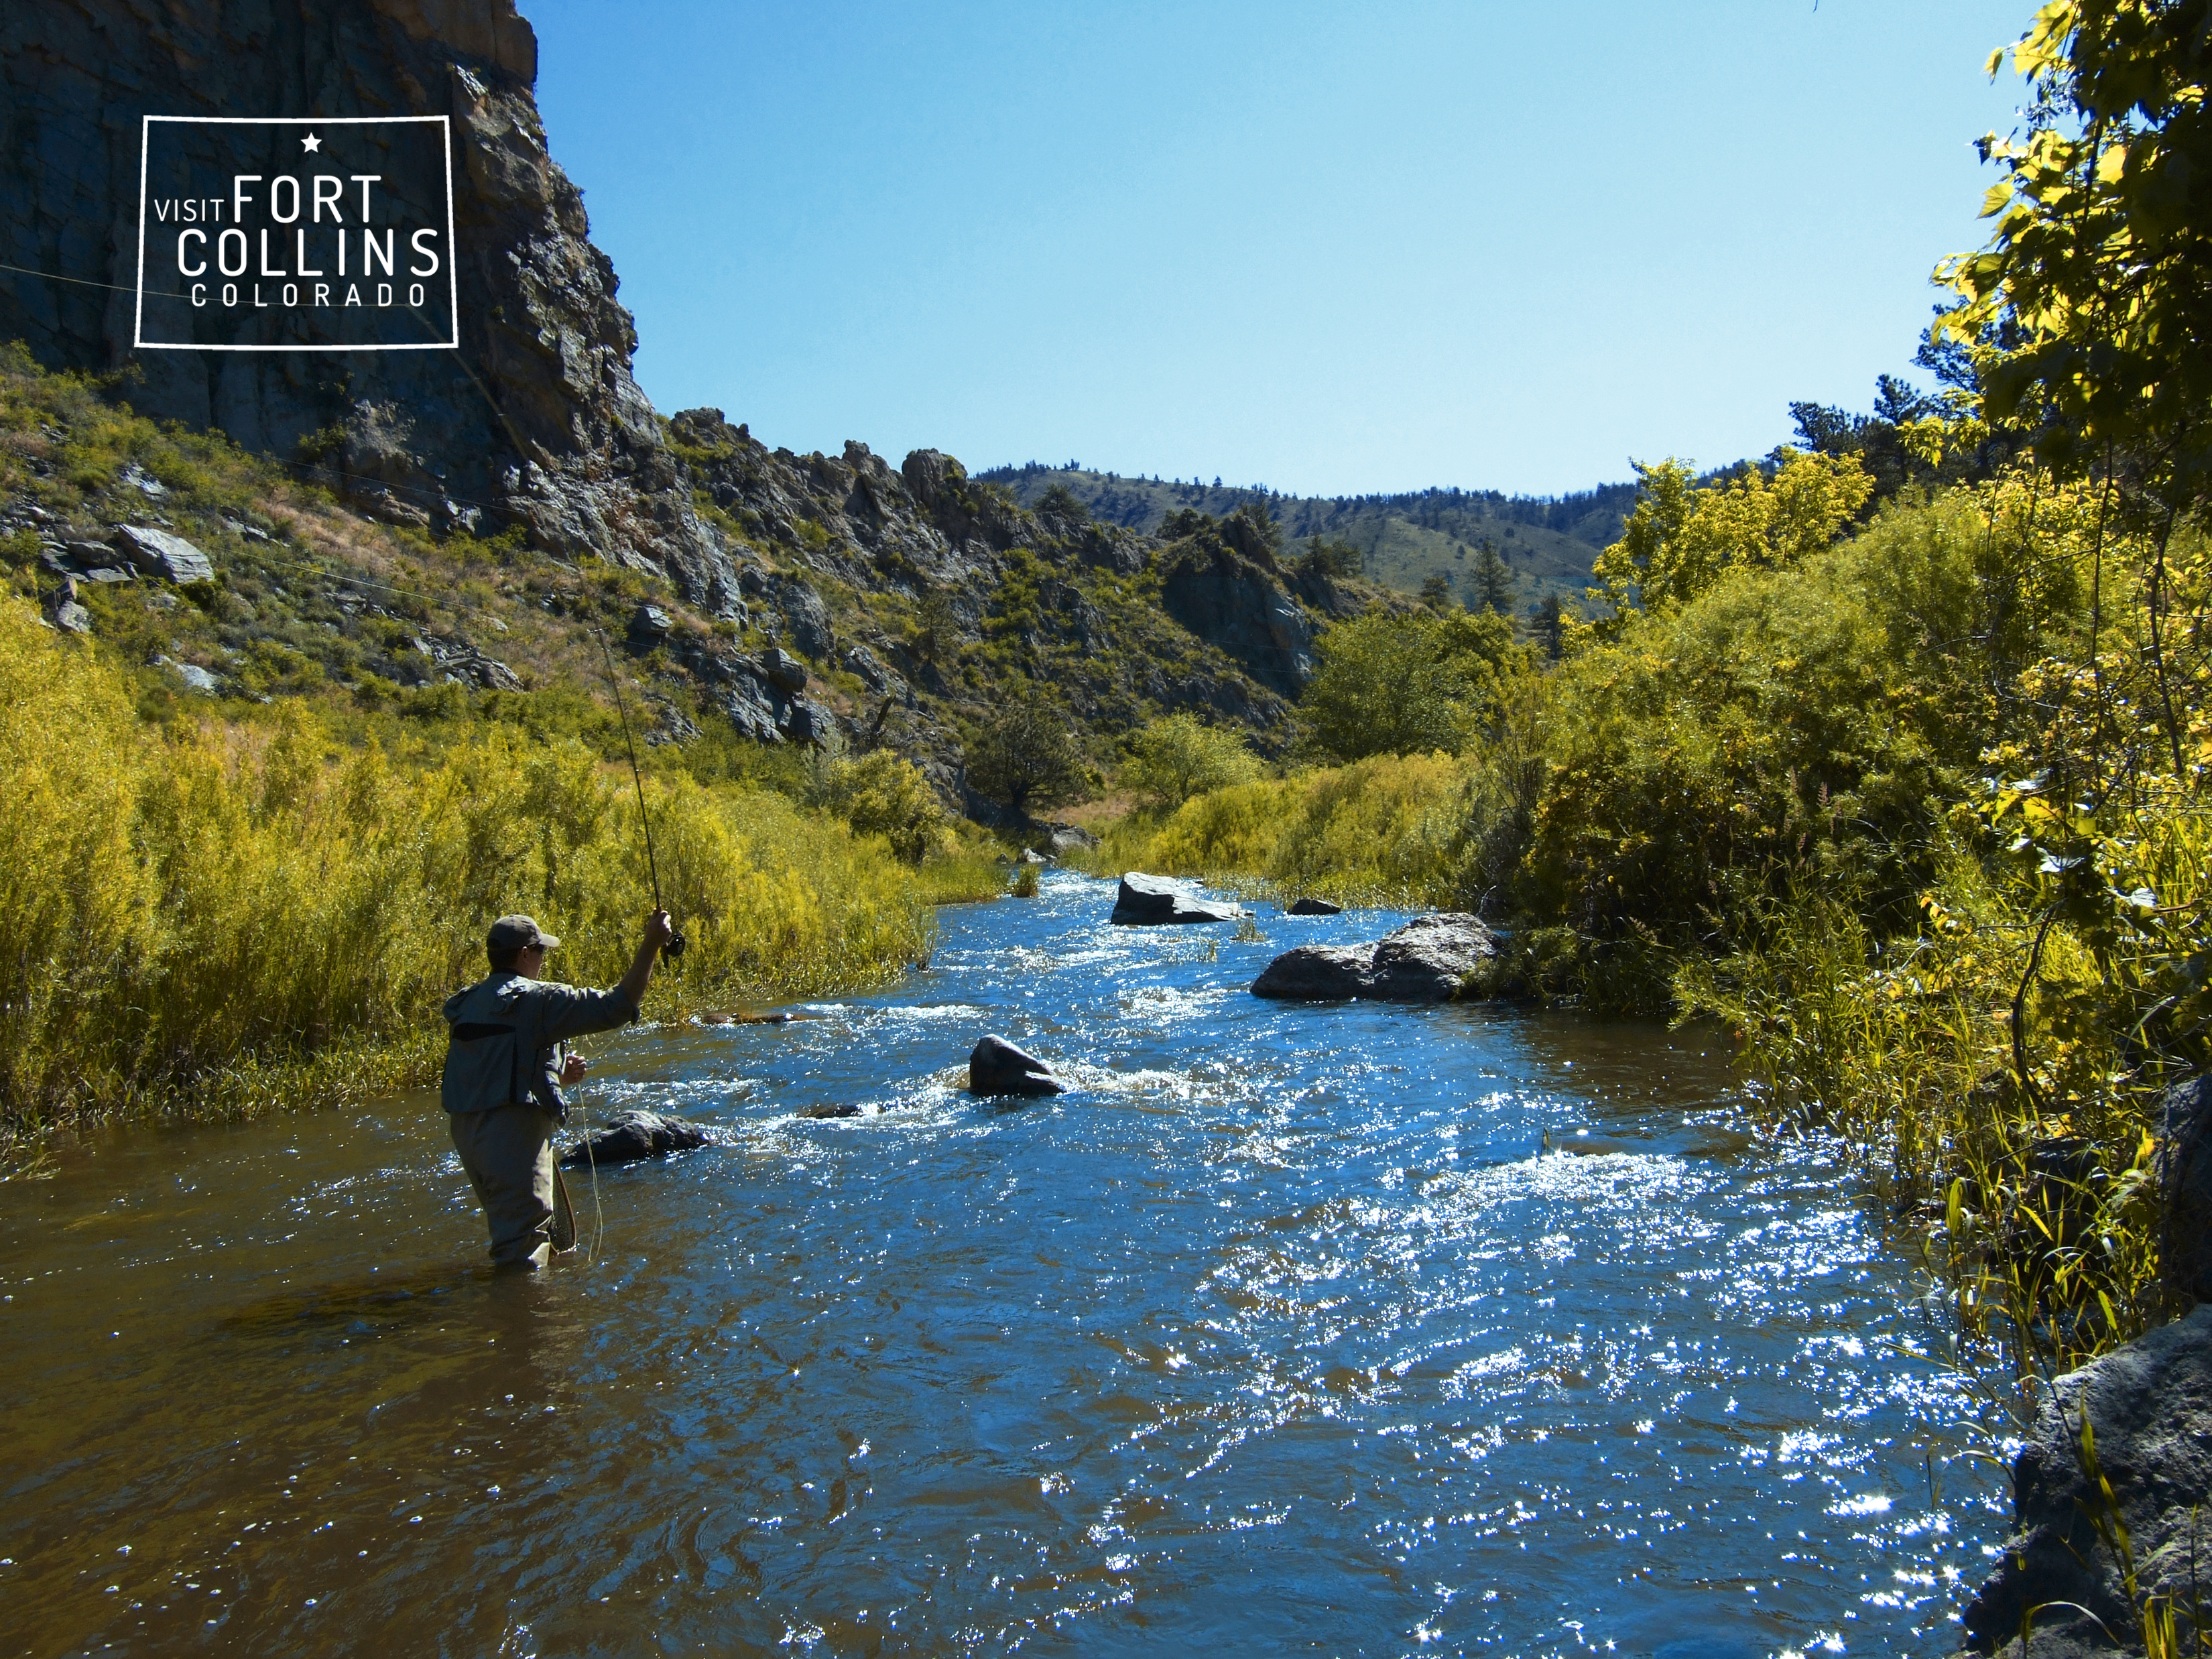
[138,340]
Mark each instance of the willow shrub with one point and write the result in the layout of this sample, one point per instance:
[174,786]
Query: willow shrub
[1390,829]
[217,918]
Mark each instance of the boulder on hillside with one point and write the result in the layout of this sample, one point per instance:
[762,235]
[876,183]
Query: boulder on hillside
[996,1066]
[2150,1406]
[633,1135]
[1150,902]
[785,671]
[64,612]
[159,553]
[1072,838]
[1425,961]
[1313,907]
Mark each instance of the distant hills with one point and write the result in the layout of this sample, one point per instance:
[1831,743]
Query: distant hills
[1548,542]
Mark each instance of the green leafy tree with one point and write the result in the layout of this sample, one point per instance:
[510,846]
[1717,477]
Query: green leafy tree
[1023,757]
[2088,316]
[1683,536]
[1493,581]
[1404,685]
[882,794]
[1173,759]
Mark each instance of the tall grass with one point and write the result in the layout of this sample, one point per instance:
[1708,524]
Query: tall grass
[214,918]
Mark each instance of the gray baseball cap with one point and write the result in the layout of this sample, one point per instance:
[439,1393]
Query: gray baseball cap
[513,932]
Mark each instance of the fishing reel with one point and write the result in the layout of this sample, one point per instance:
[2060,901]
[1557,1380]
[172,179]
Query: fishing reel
[675,945]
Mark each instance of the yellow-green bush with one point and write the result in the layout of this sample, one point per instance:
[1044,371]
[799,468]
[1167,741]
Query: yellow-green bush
[1386,830]
[188,919]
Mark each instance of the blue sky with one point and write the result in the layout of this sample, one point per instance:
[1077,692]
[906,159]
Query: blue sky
[1330,248]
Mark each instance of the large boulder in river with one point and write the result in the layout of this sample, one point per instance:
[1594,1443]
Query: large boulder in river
[2150,1406]
[997,1067]
[1425,961]
[634,1134]
[1151,902]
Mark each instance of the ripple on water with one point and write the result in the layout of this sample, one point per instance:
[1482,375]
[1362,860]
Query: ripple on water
[1282,1329]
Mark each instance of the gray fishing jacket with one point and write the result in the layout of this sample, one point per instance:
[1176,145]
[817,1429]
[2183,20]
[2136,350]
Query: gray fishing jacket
[506,1035]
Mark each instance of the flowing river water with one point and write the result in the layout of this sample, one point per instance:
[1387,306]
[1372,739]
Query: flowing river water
[1282,1332]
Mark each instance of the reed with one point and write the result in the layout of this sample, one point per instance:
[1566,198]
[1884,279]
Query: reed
[215,920]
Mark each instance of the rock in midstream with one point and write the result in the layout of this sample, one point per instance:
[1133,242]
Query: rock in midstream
[633,1135]
[2150,1406]
[1149,902]
[997,1067]
[1425,961]
[1314,907]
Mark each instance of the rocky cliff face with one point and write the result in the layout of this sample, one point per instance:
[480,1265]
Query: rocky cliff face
[535,418]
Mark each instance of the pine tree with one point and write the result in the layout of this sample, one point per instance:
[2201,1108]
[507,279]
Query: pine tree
[1547,625]
[1492,582]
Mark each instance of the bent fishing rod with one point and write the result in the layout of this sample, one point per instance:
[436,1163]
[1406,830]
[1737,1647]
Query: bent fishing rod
[675,945]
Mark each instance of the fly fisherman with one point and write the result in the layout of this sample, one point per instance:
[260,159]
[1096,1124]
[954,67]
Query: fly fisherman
[504,1068]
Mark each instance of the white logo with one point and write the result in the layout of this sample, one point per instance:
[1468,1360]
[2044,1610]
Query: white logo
[296,233]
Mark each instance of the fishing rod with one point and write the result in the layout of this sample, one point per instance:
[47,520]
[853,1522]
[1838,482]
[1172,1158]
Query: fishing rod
[675,945]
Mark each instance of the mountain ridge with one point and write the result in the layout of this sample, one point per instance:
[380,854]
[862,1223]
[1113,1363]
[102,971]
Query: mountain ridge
[1548,543]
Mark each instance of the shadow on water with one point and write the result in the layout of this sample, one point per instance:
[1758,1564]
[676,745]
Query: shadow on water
[1349,1329]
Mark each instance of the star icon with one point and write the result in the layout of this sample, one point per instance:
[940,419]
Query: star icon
[310,144]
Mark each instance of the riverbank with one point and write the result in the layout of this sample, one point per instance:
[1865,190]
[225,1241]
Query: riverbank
[211,918]
[1919,816]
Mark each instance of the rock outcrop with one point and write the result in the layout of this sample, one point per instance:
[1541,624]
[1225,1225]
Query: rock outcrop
[1313,907]
[2150,1406]
[633,1135]
[1223,583]
[2184,1172]
[996,1066]
[1146,901]
[161,553]
[1427,960]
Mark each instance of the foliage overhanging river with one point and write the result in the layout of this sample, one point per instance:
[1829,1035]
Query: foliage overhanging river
[1282,1332]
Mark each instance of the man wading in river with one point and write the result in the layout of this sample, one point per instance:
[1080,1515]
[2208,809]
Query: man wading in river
[504,1069]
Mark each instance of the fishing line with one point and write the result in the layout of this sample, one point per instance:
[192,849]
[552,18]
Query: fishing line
[674,946]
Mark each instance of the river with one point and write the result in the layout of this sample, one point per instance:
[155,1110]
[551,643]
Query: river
[1282,1332]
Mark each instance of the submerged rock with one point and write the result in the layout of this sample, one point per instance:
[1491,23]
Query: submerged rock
[997,1067]
[832,1109]
[1425,961]
[2150,1406]
[1313,907]
[1149,902]
[634,1134]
